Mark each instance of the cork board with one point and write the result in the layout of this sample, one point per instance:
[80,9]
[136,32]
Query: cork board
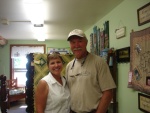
[140,60]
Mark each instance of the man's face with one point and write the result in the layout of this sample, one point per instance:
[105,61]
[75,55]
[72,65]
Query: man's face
[78,46]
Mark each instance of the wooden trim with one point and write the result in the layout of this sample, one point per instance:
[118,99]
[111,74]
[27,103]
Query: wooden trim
[31,45]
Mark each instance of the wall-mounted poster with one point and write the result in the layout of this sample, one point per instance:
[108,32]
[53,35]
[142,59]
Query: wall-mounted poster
[60,50]
[140,60]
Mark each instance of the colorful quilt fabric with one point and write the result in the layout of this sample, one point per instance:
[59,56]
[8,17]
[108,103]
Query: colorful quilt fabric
[41,69]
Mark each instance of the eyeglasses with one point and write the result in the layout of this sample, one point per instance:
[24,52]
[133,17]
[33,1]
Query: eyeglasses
[81,63]
[54,52]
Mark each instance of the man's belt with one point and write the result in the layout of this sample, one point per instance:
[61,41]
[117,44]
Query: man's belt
[93,111]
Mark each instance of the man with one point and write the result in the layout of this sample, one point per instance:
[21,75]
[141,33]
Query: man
[88,76]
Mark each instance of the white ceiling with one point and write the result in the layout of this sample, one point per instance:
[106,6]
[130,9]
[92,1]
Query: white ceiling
[60,17]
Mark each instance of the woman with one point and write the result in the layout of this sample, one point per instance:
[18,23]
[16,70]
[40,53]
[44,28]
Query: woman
[52,93]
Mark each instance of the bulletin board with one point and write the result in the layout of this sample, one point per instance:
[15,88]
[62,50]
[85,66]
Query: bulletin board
[140,60]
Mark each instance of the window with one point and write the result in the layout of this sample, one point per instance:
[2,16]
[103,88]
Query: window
[18,60]
[19,69]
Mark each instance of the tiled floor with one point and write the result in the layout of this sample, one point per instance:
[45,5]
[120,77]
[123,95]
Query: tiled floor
[18,107]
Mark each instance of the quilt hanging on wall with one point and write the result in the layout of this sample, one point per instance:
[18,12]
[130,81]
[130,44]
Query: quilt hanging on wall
[37,69]
[140,60]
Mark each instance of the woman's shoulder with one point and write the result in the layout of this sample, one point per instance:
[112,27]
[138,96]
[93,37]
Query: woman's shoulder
[42,84]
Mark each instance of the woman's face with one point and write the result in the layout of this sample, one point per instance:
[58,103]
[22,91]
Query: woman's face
[55,66]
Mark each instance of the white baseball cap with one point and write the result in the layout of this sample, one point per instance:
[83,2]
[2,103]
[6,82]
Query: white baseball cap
[76,32]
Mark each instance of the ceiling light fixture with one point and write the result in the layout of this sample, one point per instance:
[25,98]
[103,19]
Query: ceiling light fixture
[40,39]
[38,25]
[40,36]
[34,10]
[39,33]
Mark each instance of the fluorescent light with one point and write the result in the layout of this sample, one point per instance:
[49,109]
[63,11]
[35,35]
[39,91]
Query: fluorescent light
[40,39]
[32,1]
[34,10]
[38,30]
[39,34]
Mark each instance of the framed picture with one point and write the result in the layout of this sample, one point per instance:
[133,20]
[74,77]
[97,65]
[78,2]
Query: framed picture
[143,14]
[123,55]
[60,50]
[144,102]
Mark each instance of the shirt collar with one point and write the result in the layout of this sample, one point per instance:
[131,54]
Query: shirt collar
[54,81]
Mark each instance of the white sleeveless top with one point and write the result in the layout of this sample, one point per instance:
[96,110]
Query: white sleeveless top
[58,100]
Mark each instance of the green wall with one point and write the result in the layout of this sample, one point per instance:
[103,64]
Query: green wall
[125,14]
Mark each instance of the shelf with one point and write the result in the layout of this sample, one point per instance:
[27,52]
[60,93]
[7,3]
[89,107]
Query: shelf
[111,61]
